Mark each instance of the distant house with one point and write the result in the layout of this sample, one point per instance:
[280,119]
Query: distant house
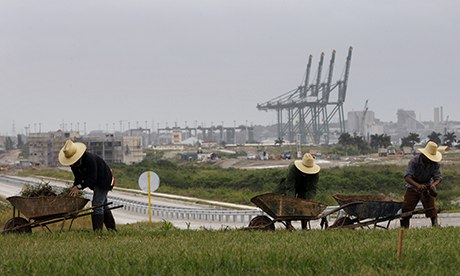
[407,150]
[383,152]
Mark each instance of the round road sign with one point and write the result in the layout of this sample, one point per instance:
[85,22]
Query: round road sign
[144,181]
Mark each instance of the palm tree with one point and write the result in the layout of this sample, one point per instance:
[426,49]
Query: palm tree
[360,144]
[279,141]
[386,140]
[375,141]
[380,141]
[345,139]
[449,138]
[435,137]
[410,140]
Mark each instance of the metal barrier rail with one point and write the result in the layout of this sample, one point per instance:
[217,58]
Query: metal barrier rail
[194,214]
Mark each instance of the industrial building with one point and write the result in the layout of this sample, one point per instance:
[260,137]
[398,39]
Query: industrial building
[44,147]
[361,122]
[406,120]
[116,149]
[214,134]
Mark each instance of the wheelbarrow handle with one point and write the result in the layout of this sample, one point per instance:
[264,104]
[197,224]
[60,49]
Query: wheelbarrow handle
[340,208]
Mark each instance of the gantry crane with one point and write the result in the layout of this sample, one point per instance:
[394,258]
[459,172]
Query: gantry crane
[309,107]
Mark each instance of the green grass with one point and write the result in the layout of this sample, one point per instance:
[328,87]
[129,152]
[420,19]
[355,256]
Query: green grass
[151,249]
[159,249]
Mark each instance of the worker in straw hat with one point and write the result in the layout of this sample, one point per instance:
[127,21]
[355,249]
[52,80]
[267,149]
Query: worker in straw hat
[90,171]
[422,176]
[301,181]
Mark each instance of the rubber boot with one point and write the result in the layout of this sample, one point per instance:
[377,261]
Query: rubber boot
[324,223]
[304,224]
[109,221]
[434,222]
[98,222]
[289,226]
[404,223]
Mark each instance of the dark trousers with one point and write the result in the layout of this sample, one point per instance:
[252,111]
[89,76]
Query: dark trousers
[412,197]
[99,198]
[102,215]
[303,195]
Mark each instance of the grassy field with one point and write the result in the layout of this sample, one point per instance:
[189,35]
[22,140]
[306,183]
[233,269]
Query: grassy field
[158,249]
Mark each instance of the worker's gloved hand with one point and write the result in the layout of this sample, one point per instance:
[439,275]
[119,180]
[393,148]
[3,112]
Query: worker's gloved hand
[74,191]
[432,190]
[421,188]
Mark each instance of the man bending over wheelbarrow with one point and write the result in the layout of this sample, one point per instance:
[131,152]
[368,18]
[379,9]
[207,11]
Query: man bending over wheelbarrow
[301,180]
[90,171]
[422,176]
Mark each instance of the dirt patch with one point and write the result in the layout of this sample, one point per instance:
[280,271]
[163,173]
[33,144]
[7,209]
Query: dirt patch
[253,164]
[10,157]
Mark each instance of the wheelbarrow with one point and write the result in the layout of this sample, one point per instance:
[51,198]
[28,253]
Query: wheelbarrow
[283,208]
[369,210]
[44,210]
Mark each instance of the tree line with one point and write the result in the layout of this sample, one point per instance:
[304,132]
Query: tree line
[358,143]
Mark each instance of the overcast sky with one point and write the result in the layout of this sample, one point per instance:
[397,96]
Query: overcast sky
[150,62]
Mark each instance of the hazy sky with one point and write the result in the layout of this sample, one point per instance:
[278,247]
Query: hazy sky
[211,61]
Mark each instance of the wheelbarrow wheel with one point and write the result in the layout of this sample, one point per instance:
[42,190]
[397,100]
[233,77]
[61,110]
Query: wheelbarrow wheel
[262,223]
[17,225]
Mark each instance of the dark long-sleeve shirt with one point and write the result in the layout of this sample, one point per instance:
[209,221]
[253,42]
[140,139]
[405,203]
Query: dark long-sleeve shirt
[298,184]
[422,173]
[91,171]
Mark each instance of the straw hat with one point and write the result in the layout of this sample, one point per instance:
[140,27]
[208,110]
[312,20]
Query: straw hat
[443,149]
[71,152]
[307,164]
[431,152]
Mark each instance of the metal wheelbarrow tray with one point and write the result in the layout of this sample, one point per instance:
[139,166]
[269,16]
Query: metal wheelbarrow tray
[43,207]
[286,207]
[282,208]
[369,209]
[44,210]
[373,206]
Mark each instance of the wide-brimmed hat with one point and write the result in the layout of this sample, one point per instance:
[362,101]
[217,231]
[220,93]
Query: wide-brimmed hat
[431,151]
[443,149]
[307,164]
[71,152]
